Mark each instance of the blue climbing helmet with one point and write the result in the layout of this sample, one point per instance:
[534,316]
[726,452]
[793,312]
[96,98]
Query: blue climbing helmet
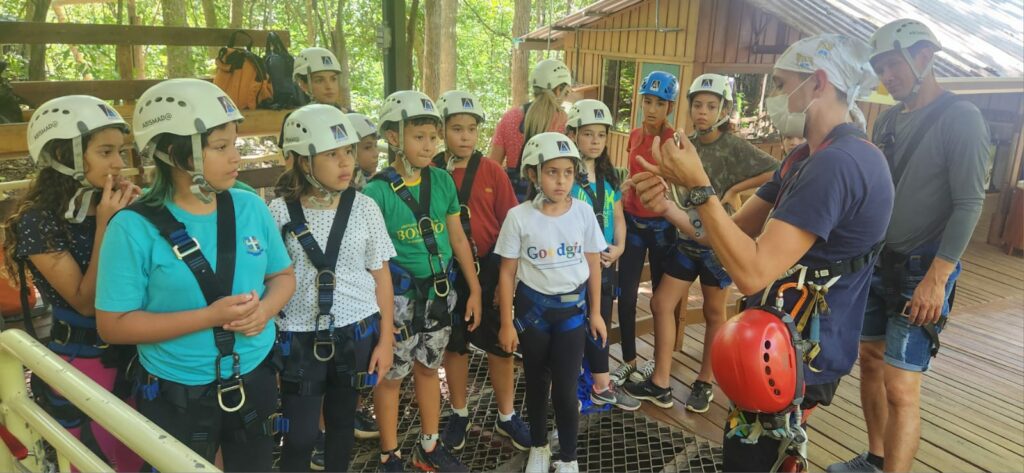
[660,84]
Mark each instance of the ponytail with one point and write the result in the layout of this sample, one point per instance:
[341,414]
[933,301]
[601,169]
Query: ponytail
[542,111]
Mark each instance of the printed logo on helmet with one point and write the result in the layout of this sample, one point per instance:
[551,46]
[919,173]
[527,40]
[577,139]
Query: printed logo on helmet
[563,146]
[327,60]
[467,103]
[706,83]
[226,104]
[370,124]
[154,121]
[109,112]
[339,132]
[655,84]
[427,105]
[45,129]
[598,114]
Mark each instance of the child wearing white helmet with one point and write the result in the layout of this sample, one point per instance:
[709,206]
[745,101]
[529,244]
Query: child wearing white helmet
[78,142]
[366,151]
[338,327]
[421,209]
[549,83]
[317,72]
[193,273]
[647,234]
[485,198]
[597,184]
[552,247]
[734,165]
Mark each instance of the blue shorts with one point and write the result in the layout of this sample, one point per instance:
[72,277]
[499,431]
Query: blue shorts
[689,260]
[907,346]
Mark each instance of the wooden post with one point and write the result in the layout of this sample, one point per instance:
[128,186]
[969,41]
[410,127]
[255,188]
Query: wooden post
[430,65]
[520,26]
[396,70]
[449,54]
[37,52]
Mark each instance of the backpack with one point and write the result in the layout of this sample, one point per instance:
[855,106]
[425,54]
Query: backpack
[242,75]
[279,67]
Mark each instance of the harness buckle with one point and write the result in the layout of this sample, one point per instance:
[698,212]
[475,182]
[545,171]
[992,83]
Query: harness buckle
[304,232]
[329,282]
[441,286]
[397,185]
[234,383]
[67,338]
[402,333]
[320,340]
[191,249]
[364,380]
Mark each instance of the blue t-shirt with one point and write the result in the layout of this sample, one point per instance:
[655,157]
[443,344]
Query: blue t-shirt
[844,195]
[611,196]
[138,270]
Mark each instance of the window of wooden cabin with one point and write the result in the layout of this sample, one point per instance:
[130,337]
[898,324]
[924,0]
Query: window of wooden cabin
[617,86]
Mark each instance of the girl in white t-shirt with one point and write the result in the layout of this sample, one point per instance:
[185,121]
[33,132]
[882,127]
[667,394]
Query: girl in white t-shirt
[340,246]
[553,244]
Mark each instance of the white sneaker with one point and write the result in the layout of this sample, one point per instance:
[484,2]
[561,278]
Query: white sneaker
[566,467]
[539,461]
[642,372]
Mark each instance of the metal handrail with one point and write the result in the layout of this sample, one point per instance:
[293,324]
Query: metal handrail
[29,423]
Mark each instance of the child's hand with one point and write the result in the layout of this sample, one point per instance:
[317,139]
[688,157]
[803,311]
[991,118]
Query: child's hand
[508,339]
[382,358]
[253,322]
[611,255]
[597,329]
[473,311]
[230,309]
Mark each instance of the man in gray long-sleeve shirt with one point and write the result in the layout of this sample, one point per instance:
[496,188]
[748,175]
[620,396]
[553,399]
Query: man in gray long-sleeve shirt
[937,147]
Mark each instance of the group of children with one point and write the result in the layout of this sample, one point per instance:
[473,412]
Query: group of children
[253,320]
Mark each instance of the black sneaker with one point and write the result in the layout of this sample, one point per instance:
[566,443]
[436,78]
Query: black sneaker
[647,391]
[454,433]
[394,464]
[316,462]
[700,398]
[516,430]
[365,426]
[440,459]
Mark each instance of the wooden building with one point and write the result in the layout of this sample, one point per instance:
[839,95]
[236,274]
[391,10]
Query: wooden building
[612,44]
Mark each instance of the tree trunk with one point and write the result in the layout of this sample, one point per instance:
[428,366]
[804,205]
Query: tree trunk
[410,36]
[210,15]
[448,62]
[236,14]
[430,66]
[310,24]
[341,51]
[36,11]
[76,53]
[520,26]
[179,59]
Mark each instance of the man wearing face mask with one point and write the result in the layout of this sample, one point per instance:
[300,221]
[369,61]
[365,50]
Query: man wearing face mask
[937,148]
[818,222]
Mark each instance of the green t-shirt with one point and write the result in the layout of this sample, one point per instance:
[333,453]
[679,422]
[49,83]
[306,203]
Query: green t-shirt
[401,223]
[730,160]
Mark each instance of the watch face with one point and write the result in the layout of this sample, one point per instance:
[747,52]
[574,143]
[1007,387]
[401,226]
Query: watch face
[698,196]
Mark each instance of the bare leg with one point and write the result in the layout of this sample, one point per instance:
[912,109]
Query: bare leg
[666,298]
[872,394]
[502,371]
[456,369]
[428,397]
[714,318]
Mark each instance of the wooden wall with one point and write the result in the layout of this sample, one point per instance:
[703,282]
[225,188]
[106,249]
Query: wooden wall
[727,30]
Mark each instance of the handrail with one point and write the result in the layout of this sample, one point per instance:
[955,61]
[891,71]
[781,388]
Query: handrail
[28,422]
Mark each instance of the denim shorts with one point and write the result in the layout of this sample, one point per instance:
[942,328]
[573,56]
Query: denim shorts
[907,346]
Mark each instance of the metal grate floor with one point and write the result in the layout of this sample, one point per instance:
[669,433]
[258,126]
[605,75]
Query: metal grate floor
[613,440]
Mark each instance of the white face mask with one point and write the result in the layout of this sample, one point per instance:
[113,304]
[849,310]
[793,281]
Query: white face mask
[788,123]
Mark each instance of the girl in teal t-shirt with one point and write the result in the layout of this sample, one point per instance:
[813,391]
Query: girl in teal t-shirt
[204,371]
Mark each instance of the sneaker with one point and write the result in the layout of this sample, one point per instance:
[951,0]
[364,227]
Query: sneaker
[539,461]
[566,467]
[454,433]
[858,463]
[439,459]
[611,396]
[316,461]
[647,391]
[365,426]
[394,464]
[643,372]
[621,374]
[516,430]
[700,398]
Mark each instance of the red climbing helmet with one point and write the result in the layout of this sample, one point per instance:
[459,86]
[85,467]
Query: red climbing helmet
[757,361]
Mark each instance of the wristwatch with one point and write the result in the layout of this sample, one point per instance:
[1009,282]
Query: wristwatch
[700,195]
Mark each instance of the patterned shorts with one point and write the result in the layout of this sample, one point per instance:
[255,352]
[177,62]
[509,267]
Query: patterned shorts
[427,348]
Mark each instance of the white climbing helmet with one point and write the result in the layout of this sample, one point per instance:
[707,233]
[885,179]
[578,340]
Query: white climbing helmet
[362,124]
[456,101]
[549,74]
[315,129]
[712,83]
[546,146]
[69,118]
[312,60]
[406,105]
[589,112]
[182,107]
[900,35]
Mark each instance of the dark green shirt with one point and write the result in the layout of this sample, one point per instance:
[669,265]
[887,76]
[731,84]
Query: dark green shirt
[730,160]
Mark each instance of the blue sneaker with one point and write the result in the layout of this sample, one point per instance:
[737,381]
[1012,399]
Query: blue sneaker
[439,460]
[394,464]
[454,433]
[516,430]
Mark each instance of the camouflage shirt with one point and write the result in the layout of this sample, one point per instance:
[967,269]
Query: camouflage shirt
[730,160]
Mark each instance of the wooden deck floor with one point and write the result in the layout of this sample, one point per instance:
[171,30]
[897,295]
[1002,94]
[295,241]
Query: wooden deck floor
[972,398]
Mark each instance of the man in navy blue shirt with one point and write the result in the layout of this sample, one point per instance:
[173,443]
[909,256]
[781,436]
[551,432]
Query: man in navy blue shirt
[830,201]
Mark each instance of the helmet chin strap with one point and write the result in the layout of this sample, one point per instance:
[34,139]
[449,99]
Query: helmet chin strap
[724,118]
[200,187]
[325,196]
[78,207]
[541,198]
[918,75]
[410,170]
[452,159]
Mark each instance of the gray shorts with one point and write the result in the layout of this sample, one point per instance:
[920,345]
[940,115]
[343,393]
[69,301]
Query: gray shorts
[427,348]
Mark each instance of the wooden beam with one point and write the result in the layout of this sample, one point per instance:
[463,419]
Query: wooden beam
[13,143]
[24,32]
[35,93]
